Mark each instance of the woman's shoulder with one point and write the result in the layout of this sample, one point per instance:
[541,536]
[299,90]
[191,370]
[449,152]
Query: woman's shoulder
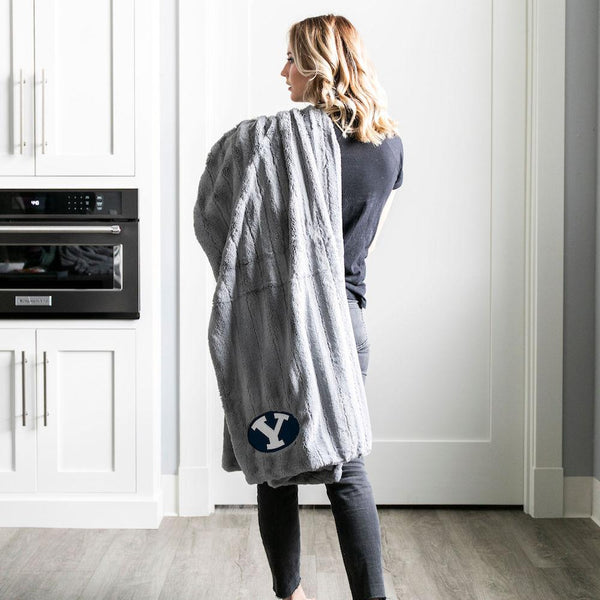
[396,143]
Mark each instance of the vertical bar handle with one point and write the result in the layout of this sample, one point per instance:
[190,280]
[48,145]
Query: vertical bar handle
[23,361]
[21,82]
[44,142]
[45,395]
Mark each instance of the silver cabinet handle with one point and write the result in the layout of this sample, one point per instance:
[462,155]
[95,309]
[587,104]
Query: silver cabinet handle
[45,398]
[21,82]
[44,142]
[23,361]
[116,229]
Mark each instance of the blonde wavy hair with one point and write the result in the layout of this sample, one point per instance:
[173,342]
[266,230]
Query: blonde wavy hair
[343,81]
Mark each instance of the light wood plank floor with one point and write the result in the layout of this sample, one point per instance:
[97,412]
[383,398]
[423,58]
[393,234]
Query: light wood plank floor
[429,554]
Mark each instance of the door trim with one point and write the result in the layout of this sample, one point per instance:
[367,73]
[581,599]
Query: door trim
[543,471]
[543,468]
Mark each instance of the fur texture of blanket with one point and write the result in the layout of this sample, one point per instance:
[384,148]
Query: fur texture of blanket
[268,216]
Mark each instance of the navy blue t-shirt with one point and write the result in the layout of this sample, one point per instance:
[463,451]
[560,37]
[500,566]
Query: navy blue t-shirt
[369,173]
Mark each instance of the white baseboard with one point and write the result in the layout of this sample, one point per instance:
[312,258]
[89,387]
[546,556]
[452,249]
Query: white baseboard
[596,501]
[581,497]
[186,494]
[577,496]
[110,511]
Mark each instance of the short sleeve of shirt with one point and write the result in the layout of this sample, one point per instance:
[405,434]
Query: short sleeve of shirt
[400,171]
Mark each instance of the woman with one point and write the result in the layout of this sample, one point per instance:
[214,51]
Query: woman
[327,66]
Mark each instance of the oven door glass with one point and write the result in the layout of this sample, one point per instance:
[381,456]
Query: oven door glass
[61,267]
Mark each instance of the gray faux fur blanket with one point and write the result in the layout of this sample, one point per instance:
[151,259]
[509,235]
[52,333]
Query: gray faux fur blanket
[268,216]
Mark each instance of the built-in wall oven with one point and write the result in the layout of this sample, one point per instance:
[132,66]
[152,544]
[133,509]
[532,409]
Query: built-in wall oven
[69,254]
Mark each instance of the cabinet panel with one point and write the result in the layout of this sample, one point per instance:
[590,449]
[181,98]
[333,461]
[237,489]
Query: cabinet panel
[86,387]
[16,89]
[84,70]
[17,391]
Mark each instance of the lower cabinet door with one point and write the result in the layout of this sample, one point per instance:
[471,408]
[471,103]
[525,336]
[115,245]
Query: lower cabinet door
[17,410]
[86,410]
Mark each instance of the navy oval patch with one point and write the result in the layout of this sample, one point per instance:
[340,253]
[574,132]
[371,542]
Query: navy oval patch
[273,431]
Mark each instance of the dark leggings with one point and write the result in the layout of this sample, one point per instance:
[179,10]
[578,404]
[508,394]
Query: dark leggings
[354,512]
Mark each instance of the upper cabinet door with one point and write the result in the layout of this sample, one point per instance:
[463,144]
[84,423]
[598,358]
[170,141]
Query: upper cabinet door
[16,91]
[84,87]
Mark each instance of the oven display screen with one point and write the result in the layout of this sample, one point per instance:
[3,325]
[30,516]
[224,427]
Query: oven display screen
[59,267]
[30,204]
[86,203]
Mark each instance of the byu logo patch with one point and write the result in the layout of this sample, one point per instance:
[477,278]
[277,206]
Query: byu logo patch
[273,430]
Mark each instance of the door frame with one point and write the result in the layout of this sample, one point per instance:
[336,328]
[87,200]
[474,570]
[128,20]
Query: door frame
[198,34]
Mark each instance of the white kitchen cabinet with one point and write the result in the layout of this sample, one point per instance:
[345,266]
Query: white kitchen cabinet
[67,69]
[78,390]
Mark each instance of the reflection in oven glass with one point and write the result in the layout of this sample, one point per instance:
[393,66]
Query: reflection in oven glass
[70,266]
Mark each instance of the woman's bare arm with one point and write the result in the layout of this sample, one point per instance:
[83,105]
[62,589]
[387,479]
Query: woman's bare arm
[384,214]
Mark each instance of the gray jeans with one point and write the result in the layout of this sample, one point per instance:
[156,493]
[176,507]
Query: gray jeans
[353,507]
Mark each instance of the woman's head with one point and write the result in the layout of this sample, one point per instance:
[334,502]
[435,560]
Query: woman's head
[327,65]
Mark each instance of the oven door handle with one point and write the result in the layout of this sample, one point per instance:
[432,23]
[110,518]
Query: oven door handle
[60,229]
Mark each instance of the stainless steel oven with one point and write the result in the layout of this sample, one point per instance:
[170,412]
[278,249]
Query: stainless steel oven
[69,254]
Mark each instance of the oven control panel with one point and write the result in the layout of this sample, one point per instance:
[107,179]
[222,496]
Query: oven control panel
[68,203]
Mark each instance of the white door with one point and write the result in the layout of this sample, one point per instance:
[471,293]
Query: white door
[84,99]
[445,286]
[16,91]
[86,389]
